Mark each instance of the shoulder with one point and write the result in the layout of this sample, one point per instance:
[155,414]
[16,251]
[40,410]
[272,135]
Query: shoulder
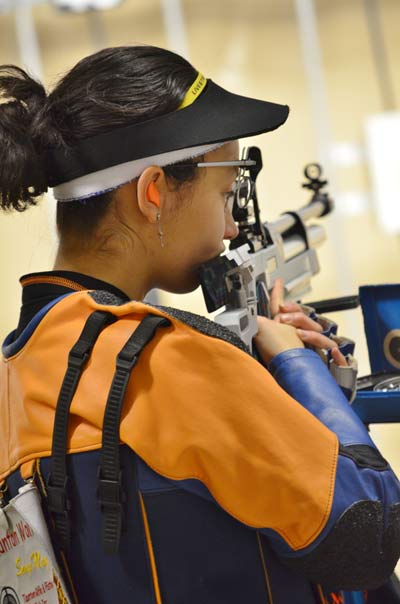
[180,319]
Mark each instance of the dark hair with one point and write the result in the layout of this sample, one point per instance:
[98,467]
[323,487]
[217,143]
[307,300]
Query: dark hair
[111,88]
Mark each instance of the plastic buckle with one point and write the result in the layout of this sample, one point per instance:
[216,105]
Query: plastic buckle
[57,497]
[126,362]
[77,359]
[110,493]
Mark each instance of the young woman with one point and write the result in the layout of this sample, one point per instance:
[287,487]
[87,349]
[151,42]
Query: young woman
[224,480]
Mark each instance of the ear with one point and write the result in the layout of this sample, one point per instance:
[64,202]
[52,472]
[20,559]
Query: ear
[150,189]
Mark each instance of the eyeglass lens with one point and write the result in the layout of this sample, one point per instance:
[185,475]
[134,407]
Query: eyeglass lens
[243,189]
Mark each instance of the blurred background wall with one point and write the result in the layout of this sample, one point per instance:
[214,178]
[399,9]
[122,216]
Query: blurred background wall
[335,62]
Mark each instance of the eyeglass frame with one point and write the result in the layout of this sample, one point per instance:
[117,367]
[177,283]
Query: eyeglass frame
[241,178]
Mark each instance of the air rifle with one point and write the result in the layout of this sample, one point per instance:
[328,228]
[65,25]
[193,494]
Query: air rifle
[242,279]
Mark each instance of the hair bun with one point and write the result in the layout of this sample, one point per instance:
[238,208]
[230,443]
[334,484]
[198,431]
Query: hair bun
[21,113]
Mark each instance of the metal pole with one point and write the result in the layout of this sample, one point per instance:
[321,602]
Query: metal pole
[28,45]
[175,27]
[379,54]
[315,77]
[97,29]
[307,22]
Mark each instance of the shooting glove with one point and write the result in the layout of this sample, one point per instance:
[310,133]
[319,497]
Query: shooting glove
[346,377]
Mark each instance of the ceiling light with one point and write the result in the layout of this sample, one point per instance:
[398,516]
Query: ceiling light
[81,6]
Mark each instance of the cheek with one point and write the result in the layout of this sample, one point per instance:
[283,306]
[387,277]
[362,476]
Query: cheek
[214,223]
[199,227]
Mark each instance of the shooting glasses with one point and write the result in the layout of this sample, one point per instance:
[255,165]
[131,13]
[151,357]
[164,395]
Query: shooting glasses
[244,185]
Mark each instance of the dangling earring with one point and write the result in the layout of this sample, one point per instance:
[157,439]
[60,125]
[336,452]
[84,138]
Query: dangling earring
[160,233]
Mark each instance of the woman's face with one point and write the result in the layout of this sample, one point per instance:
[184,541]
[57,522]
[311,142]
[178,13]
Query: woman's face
[194,232]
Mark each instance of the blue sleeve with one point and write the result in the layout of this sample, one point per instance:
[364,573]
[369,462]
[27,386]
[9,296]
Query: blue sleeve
[360,544]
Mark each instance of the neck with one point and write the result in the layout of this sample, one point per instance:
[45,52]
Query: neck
[134,284]
[123,250]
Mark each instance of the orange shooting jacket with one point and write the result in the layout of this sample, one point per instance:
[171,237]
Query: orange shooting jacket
[196,407]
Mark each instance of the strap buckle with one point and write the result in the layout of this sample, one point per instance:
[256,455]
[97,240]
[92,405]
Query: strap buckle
[57,497]
[77,359]
[126,362]
[110,493]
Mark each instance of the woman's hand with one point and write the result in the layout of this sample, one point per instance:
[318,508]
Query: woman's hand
[273,338]
[295,329]
[308,330]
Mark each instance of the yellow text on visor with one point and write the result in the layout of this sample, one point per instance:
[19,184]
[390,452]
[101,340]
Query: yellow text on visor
[194,91]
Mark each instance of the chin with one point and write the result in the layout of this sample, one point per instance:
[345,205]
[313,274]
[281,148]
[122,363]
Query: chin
[214,255]
[188,280]
[185,285]
[181,289]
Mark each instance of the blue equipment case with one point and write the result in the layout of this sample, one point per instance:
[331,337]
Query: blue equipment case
[381,311]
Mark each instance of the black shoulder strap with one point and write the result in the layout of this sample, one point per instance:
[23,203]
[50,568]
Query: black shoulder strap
[57,485]
[110,488]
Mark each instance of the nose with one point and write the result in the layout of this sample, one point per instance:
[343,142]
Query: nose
[231,228]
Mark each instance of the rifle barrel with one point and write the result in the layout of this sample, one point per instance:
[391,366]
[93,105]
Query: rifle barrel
[295,245]
[287,221]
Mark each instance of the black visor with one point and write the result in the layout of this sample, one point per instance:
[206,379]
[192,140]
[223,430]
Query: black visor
[216,116]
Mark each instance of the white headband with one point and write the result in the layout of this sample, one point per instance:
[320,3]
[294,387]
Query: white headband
[106,180]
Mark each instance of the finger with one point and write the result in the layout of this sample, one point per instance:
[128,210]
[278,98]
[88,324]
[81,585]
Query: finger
[289,307]
[316,339]
[276,296]
[300,320]
[338,358]
[262,323]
